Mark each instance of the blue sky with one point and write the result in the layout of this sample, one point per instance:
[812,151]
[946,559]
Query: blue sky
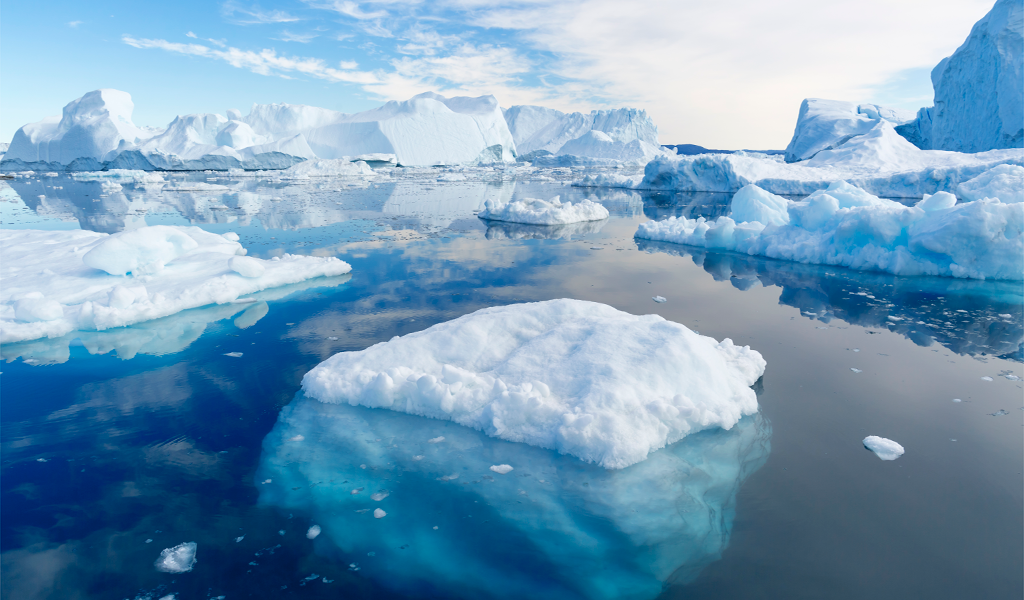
[726,74]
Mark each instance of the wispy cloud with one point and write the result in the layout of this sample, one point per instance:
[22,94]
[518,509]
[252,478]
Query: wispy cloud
[349,9]
[302,38]
[74,24]
[254,15]
[191,35]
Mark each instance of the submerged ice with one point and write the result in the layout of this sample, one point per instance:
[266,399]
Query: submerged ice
[552,528]
[578,377]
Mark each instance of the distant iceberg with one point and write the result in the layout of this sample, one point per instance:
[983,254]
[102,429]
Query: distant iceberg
[846,226]
[828,124]
[578,377]
[484,534]
[534,211]
[55,282]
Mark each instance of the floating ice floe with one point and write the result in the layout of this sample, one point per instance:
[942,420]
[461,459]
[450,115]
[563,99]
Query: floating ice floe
[56,282]
[534,211]
[659,521]
[179,559]
[574,376]
[313,532]
[502,469]
[845,226]
[885,448]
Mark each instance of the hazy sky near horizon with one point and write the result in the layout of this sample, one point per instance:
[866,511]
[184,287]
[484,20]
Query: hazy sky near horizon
[726,74]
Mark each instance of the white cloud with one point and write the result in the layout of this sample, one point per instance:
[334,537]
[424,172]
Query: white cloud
[190,34]
[74,24]
[350,9]
[302,38]
[254,14]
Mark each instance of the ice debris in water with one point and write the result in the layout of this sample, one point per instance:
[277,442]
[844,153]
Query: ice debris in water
[846,226]
[233,354]
[999,413]
[957,400]
[987,378]
[659,299]
[856,370]
[378,496]
[239,538]
[543,212]
[886,449]
[503,469]
[379,514]
[436,440]
[578,377]
[178,559]
[312,533]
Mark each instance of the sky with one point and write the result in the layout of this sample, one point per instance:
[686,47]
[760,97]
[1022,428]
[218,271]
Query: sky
[723,74]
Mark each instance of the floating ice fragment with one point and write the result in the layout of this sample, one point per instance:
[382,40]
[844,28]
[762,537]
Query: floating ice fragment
[378,496]
[233,354]
[178,559]
[149,540]
[543,212]
[312,533]
[436,440]
[296,438]
[435,526]
[503,469]
[1011,377]
[1005,316]
[357,490]
[239,538]
[957,400]
[41,460]
[266,482]
[418,457]
[986,378]
[448,477]
[332,338]
[659,299]
[886,449]
[280,532]
[999,413]
[856,370]
[379,514]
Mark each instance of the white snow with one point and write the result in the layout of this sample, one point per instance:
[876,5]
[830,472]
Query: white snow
[885,448]
[313,532]
[827,124]
[169,269]
[1005,182]
[534,211]
[578,377]
[178,559]
[846,226]
[502,469]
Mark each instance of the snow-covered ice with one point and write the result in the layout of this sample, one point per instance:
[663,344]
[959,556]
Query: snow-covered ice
[1005,182]
[313,531]
[533,211]
[56,282]
[846,226]
[578,377]
[885,448]
[827,124]
[623,133]
[662,519]
[179,559]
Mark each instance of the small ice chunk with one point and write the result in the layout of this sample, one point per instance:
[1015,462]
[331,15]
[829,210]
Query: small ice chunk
[378,496]
[448,477]
[313,532]
[233,354]
[266,482]
[41,460]
[1006,315]
[659,299]
[280,532]
[886,449]
[436,440]
[178,559]
[296,438]
[357,490]
[247,266]
[418,457]
[986,378]
[1011,377]
[239,538]
[856,370]
[999,413]
[435,526]
[957,400]
[149,540]
[332,338]
[503,469]
[379,514]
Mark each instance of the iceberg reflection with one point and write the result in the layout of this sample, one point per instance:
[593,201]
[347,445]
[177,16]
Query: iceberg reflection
[553,527]
[505,230]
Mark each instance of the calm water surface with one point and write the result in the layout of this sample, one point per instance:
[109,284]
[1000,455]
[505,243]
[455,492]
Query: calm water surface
[118,444]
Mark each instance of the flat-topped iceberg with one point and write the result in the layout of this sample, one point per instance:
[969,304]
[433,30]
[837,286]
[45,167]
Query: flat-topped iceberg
[846,226]
[578,377]
[533,211]
[56,282]
[461,529]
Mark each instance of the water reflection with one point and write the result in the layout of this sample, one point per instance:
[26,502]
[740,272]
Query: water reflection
[970,317]
[500,230]
[554,527]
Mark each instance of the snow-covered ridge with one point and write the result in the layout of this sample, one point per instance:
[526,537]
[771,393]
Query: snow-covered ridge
[534,211]
[56,282]
[846,226]
[578,377]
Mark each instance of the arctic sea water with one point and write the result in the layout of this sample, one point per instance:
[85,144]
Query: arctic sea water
[118,445]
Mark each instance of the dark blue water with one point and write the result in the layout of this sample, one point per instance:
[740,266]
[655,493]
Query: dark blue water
[116,445]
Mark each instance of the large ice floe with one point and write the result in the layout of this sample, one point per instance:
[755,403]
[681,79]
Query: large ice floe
[578,377]
[57,282]
[552,528]
[846,226]
[96,132]
[534,211]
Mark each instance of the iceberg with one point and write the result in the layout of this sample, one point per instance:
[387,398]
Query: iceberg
[884,448]
[578,377]
[1005,182]
[623,134]
[533,211]
[552,528]
[179,559]
[57,282]
[845,226]
[828,124]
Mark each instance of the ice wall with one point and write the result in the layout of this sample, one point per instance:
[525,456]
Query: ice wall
[552,528]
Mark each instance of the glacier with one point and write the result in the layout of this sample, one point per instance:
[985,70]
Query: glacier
[579,377]
[846,226]
[533,211]
[551,528]
[58,282]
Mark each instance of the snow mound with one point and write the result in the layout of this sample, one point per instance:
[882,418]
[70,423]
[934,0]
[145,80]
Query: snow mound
[663,519]
[578,377]
[179,559]
[1005,182]
[534,211]
[86,275]
[827,124]
[885,448]
[846,226]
